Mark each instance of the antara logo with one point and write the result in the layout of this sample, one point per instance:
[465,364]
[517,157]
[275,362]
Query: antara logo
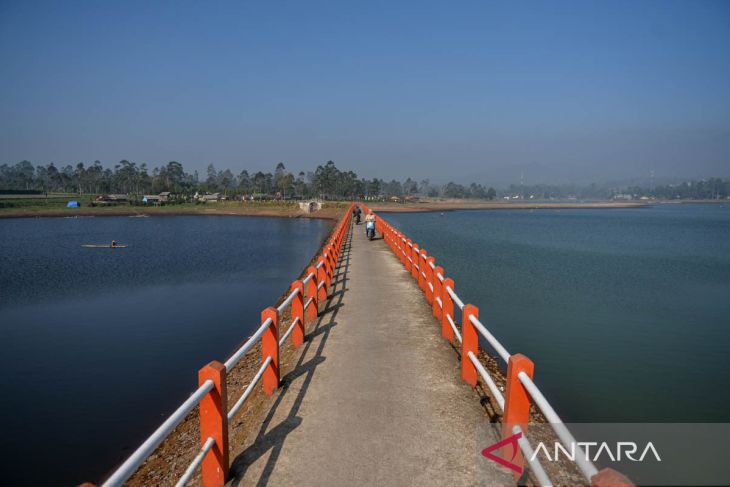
[622,450]
[627,448]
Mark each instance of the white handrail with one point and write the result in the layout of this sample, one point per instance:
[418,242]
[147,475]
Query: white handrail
[233,360]
[319,265]
[584,464]
[307,279]
[441,278]
[430,286]
[454,296]
[319,286]
[195,463]
[433,266]
[490,338]
[441,303]
[288,332]
[234,410]
[535,465]
[309,301]
[496,393]
[140,454]
[288,300]
[453,327]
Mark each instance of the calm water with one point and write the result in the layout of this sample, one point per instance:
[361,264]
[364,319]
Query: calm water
[626,313]
[98,345]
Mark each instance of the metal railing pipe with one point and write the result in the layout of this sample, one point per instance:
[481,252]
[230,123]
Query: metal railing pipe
[455,297]
[501,351]
[287,301]
[150,444]
[586,466]
[542,478]
[233,360]
[190,471]
[487,378]
[249,389]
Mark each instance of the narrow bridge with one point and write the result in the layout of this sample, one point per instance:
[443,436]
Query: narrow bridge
[378,394]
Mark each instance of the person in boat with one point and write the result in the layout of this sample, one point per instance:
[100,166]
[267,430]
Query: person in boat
[114,243]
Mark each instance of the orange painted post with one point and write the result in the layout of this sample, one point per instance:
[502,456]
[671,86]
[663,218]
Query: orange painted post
[437,291]
[516,405]
[297,311]
[408,263]
[332,264]
[214,424]
[429,280]
[321,278]
[469,343]
[270,348]
[609,477]
[312,293]
[446,330]
[416,266]
[422,271]
[328,267]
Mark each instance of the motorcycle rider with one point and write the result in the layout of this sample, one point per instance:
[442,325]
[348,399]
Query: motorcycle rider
[370,217]
[356,213]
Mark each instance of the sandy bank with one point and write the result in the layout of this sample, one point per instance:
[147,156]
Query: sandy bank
[452,205]
[329,211]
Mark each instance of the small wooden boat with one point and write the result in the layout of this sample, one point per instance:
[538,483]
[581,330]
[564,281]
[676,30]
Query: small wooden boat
[93,246]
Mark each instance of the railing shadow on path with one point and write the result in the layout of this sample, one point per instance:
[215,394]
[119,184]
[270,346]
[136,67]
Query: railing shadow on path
[273,439]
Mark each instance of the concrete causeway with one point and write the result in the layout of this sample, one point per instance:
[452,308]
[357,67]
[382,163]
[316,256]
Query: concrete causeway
[375,397]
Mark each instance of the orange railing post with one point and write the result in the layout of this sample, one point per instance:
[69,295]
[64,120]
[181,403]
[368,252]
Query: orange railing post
[609,477]
[469,343]
[422,270]
[322,280]
[297,311]
[408,256]
[214,424]
[416,266]
[446,330]
[330,264]
[516,405]
[437,292]
[270,348]
[313,308]
[429,280]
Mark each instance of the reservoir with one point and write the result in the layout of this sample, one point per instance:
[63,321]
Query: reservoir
[625,312]
[100,345]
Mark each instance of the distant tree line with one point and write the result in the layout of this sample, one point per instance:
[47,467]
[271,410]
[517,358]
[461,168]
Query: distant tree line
[127,177]
[709,189]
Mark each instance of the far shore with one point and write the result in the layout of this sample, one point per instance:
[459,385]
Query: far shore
[453,205]
[330,211]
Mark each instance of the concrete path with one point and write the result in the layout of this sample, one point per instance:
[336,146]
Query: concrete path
[375,397]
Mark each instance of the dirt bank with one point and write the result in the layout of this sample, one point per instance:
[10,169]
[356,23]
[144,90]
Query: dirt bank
[284,210]
[452,205]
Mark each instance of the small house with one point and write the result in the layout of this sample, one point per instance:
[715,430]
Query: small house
[151,199]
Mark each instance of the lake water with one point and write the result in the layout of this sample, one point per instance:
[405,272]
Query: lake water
[99,345]
[625,312]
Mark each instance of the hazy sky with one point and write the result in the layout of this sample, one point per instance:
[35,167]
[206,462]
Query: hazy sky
[448,90]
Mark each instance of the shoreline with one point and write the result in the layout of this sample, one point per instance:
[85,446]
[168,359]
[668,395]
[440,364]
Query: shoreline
[436,206]
[328,212]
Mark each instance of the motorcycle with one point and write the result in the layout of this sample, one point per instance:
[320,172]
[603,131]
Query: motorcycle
[370,230]
[357,218]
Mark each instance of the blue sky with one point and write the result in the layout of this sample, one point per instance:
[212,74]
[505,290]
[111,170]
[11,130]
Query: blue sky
[562,91]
